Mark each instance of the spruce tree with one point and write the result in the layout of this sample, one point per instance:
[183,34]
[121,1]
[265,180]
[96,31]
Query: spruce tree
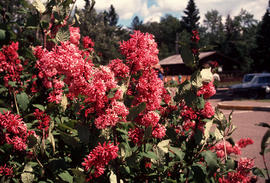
[111,17]
[191,19]
[136,23]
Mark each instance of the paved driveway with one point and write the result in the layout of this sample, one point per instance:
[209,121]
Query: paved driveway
[246,121]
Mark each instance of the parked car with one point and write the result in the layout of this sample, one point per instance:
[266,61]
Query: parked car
[257,87]
[249,77]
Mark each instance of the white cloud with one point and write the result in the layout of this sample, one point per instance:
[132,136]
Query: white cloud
[172,5]
[232,7]
[153,18]
[126,9]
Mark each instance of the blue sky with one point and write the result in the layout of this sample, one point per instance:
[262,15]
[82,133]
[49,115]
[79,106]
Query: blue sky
[153,10]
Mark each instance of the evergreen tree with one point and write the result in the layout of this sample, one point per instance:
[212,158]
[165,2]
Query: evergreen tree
[191,19]
[111,17]
[104,33]
[262,53]
[136,23]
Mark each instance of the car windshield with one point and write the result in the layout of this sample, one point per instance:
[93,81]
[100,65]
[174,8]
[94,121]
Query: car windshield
[248,78]
[261,79]
[264,79]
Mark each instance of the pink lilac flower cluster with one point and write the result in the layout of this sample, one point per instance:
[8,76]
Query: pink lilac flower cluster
[149,89]
[140,51]
[43,121]
[159,131]
[242,143]
[207,90]
[220,147]
[195,36]
[242,173]
[88,44]
[82,78]
[192,118]
[98,158]
[187,112]
[6,171]
[119,69]
[141,56]
[207,111]
[13,131]
[10,64]
[112,115]
[67,60]
[136,135]
[195,39]
[74,35]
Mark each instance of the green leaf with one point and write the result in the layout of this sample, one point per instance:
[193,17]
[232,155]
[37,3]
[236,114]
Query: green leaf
[22,100]
[230,164]
[2,110]
[128,99]
[112,93]
[191,99]
[79,176]
[3,89]
[199,172]
[2,34]
[211,160]
[113,178]
[122,131]
[62,36]
[183,87]
[69,140]
[180,154]
[206,75]
[64,126]
[32,21]
[196,79]
[31,141]
[39,106]
[150,154]
[198,136]
[170,132]
[52,141]
[45,24]
[148,132]
[217,134]
[220,120]
[39,6]
[265,141]
[208,126]
[200,102]
[135,111]
[125,150]
[12,83]
[163,145]
[187,56]
[27,176]
[65,176]
[258,172]
[83,133]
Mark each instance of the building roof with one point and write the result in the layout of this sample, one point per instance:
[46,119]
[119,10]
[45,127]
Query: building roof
[177,59]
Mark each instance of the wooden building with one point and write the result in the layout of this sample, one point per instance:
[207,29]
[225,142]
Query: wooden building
[175,69]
